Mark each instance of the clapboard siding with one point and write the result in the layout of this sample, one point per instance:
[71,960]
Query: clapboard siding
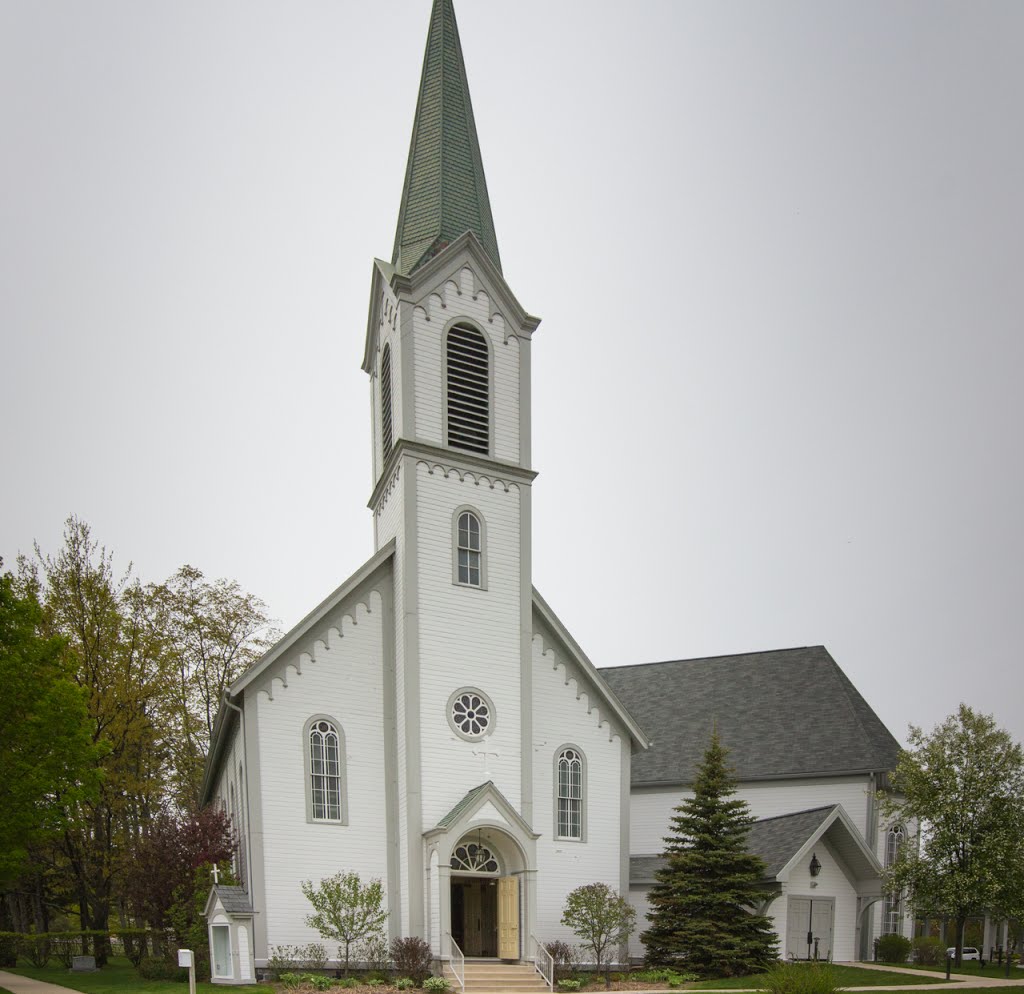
[564,713]
[651,810]
[344,680]
[468,637]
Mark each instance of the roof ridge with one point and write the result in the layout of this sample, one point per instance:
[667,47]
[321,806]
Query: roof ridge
[724,655]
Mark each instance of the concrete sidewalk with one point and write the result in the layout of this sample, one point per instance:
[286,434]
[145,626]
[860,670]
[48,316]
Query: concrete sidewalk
[26,985]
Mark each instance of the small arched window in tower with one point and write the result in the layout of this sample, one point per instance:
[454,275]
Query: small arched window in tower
[570,794]
[325,771]
[470,550]
[892,910]
[386,434]
[468,390]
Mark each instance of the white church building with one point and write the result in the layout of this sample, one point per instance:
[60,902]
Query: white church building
[433,724]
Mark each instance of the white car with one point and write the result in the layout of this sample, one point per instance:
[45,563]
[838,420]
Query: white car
[968,952]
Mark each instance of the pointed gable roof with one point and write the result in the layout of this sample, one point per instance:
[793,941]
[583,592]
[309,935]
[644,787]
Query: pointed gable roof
[445,193]
[784,713]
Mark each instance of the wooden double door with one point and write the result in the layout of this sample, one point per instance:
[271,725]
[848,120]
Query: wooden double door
[485,916]
[809,924]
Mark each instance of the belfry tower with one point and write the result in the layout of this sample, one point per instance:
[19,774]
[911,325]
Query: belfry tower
[448,354]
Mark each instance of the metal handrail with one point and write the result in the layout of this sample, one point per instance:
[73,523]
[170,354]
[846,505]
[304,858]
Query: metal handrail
[456,955]
[541,959]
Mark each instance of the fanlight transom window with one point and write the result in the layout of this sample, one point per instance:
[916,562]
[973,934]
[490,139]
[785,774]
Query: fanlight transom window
[472,857]
[470,549]
[471,714]
[325,771]
[570,794]
[468,390]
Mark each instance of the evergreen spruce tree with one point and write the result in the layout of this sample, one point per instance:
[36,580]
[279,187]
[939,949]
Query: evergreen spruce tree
[703,904]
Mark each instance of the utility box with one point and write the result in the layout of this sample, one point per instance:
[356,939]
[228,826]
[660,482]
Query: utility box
[185,958]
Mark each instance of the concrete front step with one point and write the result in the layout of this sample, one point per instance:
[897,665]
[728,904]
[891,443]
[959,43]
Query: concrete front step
[500,978]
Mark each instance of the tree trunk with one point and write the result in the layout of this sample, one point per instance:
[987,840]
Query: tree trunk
[961,924]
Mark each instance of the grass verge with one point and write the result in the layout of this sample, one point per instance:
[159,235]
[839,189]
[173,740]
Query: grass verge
[120,977]
[845,976]
[971,968]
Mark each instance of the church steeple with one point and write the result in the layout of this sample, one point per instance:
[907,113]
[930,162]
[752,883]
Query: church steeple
[445,193]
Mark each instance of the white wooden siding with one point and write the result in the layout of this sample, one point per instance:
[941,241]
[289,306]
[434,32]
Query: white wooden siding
[651,810]
[563,713]
[344,680]
[468,637]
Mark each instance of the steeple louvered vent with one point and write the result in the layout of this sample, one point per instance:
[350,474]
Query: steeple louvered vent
[386,436]
[468,383]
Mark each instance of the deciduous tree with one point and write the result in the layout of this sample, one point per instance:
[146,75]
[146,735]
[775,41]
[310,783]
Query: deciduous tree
[704,904]
[345,910]
[963,784]
[603,921]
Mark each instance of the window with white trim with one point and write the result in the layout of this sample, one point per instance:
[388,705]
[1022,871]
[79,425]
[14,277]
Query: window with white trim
[386,429]
[469,550]
[468,390]
[569,792]
[325,771]
[892,908]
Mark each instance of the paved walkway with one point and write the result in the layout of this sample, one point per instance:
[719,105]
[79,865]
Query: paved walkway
[26,985]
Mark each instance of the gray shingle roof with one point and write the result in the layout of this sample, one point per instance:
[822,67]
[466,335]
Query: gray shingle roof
[467,801]
[234,899]
[445,193]
[775,840]
[789,712]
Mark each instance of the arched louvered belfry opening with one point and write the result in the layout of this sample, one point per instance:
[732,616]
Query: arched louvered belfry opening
[386,431]
[468,390]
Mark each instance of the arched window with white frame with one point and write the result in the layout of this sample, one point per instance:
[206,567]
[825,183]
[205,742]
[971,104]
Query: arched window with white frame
[469,546]
[892,908]
[324,747]
[570,794]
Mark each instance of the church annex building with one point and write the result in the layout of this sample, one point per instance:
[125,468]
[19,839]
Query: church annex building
[433,724]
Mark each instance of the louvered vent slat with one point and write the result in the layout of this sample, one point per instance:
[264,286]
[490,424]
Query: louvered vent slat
[386,436]
[468,386]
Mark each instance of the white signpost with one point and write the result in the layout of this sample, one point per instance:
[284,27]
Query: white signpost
[186,959]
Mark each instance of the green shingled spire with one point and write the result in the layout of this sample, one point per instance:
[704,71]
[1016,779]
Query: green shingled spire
[445,192]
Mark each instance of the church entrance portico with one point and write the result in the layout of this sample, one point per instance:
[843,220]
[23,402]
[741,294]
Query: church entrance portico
[481,879]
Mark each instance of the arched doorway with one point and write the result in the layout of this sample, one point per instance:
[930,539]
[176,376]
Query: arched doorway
[484,895]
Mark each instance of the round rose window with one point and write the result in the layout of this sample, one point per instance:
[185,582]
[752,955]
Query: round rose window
[471,713]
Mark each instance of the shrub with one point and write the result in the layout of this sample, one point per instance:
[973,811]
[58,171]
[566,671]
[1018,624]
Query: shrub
[36,948]
[8,948]
[663,975]
[436,985]
[283,959]
[346,982]
[893,948]
[374,954]
[313,956]
[929,950]
[156,968]
[317,981]
[373,982]
[133,944]
[566,957]
[412,958]
[800,978]
[404,983]
[568,985]
[290,979]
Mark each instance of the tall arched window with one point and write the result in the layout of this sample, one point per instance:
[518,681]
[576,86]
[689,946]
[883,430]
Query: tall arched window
[892,909]
[386,429]
[469,550]
[326,762]
[468,390]
[569,789]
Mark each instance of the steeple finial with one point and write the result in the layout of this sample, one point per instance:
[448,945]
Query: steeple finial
[445,193]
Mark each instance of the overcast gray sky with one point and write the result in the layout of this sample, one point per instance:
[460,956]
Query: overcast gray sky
[777,250]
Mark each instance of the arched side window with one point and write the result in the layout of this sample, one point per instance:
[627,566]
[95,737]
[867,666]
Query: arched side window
[386,423]
[324,748]
[892,908]
[469,544]
[468,390]
[570,794]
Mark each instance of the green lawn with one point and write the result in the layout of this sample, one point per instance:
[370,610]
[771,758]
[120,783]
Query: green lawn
[846,976]
[120,977]
[972,968]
